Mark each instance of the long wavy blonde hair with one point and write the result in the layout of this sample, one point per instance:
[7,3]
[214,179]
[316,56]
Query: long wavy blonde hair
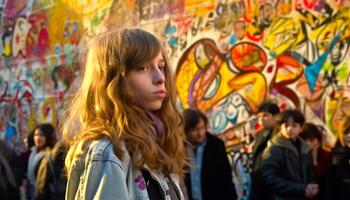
[104,105]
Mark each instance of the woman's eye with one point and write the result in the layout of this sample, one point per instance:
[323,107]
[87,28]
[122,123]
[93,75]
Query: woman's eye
[143,68]
[161,67]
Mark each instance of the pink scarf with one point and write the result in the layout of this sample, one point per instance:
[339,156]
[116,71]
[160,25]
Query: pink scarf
[157,124]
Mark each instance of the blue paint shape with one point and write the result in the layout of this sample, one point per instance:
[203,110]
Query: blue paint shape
[233,39]
[172,41]
[219,121]
[10,132]
[312,71]
[170,30]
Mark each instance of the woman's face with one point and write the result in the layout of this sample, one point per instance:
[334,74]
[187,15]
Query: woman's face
[39,139]
[148,83]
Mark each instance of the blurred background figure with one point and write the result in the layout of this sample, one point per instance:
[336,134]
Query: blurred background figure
[44,140]
[51,180]
[11,173]
[29,143]
[267,114]
[210,176]
[338,181]
[321,158]
[287,161]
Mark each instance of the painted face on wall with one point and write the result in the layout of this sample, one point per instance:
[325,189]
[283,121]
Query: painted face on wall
[291,129]
[339,52]
[197,135]
[266,13]
[148,83]
[240,29]
[20,36]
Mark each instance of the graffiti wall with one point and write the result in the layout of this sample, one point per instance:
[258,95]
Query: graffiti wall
[229,56]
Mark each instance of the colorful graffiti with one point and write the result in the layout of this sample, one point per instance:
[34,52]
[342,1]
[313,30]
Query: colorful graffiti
[229,57]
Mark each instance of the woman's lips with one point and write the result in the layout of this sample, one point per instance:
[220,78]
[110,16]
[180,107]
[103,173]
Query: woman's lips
[160,93]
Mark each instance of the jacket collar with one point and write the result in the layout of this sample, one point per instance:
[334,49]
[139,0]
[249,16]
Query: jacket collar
[281,141]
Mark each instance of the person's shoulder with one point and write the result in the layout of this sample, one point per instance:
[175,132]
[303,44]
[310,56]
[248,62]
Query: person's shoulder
[100,148]
[214,140]
[212,137]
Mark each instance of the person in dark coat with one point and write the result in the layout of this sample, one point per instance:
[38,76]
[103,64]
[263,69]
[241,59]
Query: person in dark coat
[287,161]
[321,158]
[338,179]
[267,114]
[51,179]
[210,176]
[11,173]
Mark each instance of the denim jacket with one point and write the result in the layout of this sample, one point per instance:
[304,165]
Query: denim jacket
[100,174]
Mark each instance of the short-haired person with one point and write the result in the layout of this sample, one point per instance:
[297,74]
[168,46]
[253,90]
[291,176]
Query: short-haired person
[287,160]
[123,127]
[210,176]
[267,114]
[321,158]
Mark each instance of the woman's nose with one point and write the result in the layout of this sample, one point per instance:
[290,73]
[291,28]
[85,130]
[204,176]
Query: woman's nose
[158,76]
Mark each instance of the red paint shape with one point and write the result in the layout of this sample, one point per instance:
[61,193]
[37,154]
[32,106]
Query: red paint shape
[270,69]
[257,126]
[283,106]
[309,3]
[256,38]
[248,57]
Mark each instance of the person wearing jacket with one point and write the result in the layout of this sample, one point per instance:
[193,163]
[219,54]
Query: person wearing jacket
[44,140]
[211,176]
[51,180]
[11,173]
[267,114]
[287,161]
[123,127]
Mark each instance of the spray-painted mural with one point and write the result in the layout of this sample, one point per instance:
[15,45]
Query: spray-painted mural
[229,56]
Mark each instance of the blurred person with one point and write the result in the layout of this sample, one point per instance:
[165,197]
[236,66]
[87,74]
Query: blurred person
[11,173]
[51,180]
[211,175]
[338,179]
[29,143]
[123,127]
[321,158]
[267,114]
[287,160]
[44,140]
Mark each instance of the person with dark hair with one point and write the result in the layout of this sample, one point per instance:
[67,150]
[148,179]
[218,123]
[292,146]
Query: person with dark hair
[267,114]
[210,176]
[51,179]
[338,179]
[321,158]
[29,142]
[44,140]
[287,160]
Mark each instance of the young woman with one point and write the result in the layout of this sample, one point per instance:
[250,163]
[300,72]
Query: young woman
[123,126]
[44,140]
